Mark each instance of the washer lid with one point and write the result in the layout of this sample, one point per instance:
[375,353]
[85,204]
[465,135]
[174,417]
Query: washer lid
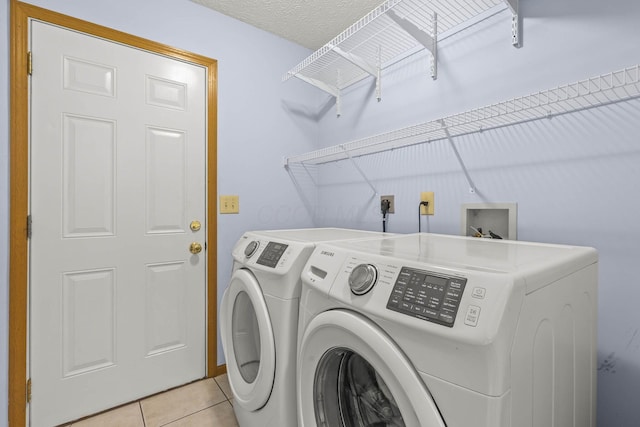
[248,341]
[538,263]
[396,386]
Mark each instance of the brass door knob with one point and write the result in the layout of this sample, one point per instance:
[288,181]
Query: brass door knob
[195,248]
[195,225]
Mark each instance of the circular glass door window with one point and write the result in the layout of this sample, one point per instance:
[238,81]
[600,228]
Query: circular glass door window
[349,392]
[246,337]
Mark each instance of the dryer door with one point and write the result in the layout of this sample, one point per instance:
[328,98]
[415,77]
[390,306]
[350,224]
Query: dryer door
[351,373]
[248,341]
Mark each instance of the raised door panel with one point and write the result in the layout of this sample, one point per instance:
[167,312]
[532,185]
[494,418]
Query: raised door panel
[88,317]
[166,308]
[88,204]
[166,181]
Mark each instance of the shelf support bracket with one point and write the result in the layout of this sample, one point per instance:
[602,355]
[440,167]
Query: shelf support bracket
[331,90]
[516,23]
[472,186]
[355,165]
[309,173]
[429,41]
[363,64]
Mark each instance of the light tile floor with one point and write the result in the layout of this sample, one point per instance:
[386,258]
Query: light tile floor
[205,403]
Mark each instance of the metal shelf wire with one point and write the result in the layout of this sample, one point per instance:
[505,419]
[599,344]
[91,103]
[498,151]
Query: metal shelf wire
[387,34]
[593,92]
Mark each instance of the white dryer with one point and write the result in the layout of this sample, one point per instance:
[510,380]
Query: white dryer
[259,320]
[432,330]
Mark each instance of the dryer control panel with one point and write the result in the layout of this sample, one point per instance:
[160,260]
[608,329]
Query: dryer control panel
[426,295]
[272,254]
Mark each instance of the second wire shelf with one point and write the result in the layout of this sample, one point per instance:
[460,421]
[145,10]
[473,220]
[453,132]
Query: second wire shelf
[593,92]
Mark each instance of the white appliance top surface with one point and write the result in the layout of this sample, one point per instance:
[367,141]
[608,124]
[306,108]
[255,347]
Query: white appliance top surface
[313,235]
[469,253]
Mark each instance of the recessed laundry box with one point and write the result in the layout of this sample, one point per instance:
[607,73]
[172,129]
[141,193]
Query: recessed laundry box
[493,220]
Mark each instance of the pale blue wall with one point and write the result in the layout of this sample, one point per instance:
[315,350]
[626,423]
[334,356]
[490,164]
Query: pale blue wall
[260,119]
[575,178]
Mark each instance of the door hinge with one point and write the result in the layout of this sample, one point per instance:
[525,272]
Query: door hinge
[29,390]
[29,63]
[29,227]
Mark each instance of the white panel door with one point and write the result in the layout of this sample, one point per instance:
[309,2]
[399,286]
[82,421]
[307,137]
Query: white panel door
[118,173]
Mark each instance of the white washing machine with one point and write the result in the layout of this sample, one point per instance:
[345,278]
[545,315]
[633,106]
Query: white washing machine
[259,320]
[431,330]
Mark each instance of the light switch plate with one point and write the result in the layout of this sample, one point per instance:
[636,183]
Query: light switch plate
[229,204]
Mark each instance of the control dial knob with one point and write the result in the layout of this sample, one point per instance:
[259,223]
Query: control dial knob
[251,248]
[362,278]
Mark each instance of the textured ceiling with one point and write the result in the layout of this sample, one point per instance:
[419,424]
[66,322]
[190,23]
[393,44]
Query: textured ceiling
[310,23]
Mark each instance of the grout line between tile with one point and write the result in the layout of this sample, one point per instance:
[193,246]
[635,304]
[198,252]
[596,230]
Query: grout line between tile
[221,390]
[144,422]
[193,413]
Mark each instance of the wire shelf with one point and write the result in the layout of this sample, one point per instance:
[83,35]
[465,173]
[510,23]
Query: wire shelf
[379,39]
[593,92]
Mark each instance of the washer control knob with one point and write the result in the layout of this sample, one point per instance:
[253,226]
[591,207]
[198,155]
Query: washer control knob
[362,278]
[251,248]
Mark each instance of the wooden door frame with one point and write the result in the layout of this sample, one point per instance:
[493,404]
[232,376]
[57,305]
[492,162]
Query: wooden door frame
[20,15]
